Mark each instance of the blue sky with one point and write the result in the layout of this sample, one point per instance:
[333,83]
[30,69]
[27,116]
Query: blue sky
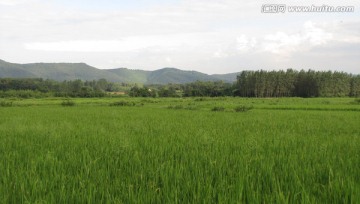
[211,36]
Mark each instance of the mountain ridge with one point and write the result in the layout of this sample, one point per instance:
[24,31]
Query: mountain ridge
[83,71]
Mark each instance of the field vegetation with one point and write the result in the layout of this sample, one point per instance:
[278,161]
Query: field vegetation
[180,150]
[261,83]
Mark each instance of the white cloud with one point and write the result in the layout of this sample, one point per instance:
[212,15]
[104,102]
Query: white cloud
[244,43]
[193,34]
[168,59]
[285,44]
[11,2]
[238,46]
[315,35]
[282,42]
[134,43]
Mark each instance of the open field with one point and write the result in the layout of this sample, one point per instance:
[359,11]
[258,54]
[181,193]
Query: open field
[174,150]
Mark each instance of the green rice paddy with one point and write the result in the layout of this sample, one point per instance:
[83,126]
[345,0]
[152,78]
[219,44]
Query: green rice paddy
[174,150]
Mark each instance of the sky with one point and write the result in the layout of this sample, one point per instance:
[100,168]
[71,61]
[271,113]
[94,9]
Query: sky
[210,36]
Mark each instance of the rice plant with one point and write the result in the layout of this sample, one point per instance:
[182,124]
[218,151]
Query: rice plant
[95,153]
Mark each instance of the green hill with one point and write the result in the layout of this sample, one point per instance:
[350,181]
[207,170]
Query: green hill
[55,71]
[72,71]
[231,77]
[69,71]
[130,75]
[171,75]
[9,70]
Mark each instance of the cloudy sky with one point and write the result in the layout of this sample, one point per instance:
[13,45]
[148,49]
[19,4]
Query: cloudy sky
[211,36]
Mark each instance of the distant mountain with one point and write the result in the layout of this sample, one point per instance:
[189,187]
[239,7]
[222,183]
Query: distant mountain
[171,75]
[231,77]
[130,75]
[72,71]
[14,70]
[55,71]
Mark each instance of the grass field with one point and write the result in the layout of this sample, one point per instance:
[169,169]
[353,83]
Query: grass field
[174,150]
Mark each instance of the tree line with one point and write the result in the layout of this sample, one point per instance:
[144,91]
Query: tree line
[198,88]
[291,83]
[37,87]
[261,83]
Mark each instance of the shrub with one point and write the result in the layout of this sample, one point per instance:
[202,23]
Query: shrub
[5,103]
[150,101]
[123,103]
[191,107]
[68,103]
[218,108]
[200,99]
[176,107]
[243,108]
[356,101]
[23,94]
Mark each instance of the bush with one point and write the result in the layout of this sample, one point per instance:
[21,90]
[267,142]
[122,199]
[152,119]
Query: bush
[356,101]
[200,99]
[5,104]
[190,107]
[23,94]
[123,103]
[150,101]
[218,108]
[68,103]
[243,108]
[176,107]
